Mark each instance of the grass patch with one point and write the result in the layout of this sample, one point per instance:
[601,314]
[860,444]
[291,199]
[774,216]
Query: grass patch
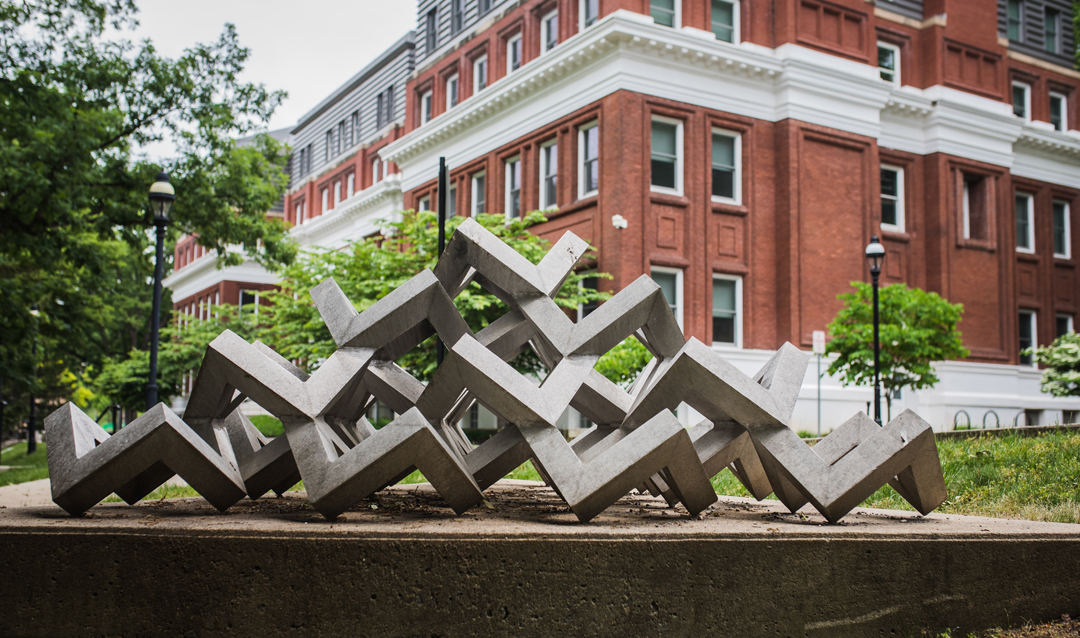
[1005,476]
[268,425]
[24,467]
[524,472]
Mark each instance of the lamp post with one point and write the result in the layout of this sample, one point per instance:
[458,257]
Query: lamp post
[440,349]
[875,254]
[162,196]
[31,426]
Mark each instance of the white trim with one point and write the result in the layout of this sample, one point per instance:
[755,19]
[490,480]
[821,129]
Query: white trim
[1029,213]
[510,42]
[738,311]
[337,192]
[678,272]
[325,200]
[1068,229]
[424,203]
[545,150]
[1067,317]
[455,94]
[544,35]
[677,19]
[679,155]
[582,4]
[1064,109]
[1027,98]
[582,193]
[473,208]
[476,75]
[515,160]
[899,226]
[738,177]
[375,165]
[427,104]
[1033,318]
[965,206]
[350,187]
[896,81]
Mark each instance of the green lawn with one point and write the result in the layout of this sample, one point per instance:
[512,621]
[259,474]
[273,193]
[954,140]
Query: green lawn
[24,468]
[268,425]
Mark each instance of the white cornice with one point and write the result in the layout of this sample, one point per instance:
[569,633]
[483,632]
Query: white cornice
[341,223]
[204,273]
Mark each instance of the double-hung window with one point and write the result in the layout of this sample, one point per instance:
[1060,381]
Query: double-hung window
[1027,335]
[483,7]
[425,108]
[549,32]
[337,193]
[329,144]
[666,164]
[670,282]
[1051,29]
[1021,100]
[424,203]
[665,12]
[892,198]
[727,310]
[375,164]
[480,74]
[589,11]
[431,32]
[354,128]
[1064,324]
[1058,112]
[588,160]
[549,175]
[451,91]
[975,207]
[1062,230]
[726,167]
[513,53]
[325,200]
[513,187]
[451,201]
[724,17]
[457,16]
[351,185]
[479,193]
[1014,13]
[1025,231]
[888,56]
[340,137]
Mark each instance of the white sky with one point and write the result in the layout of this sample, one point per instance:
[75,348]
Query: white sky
[307,48]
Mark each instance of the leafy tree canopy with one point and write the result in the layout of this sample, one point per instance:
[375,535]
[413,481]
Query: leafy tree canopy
[917,327]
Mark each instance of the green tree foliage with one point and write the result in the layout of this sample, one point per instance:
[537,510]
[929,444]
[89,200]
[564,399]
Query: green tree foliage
[1062,360]
[370,269]
[622,363]
[78,102]
[917,327]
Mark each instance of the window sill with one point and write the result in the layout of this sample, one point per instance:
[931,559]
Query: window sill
[1028,257]
[570,208]
[668,197]
[977,244]
[729,207]
[894,234]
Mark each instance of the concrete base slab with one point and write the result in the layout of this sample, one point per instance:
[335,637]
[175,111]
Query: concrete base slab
[402,564]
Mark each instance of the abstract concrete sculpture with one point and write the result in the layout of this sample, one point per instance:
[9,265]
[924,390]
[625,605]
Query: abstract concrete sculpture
[636,441]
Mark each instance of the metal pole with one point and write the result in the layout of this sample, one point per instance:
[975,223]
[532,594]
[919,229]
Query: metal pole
[440,349]
[31,435]
[874,272]
[155,316]
[819,396]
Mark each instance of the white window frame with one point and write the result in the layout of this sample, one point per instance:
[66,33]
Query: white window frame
[545,149]
[255,303]
[375,164]
[736,34]
[455,94]
[1027,98]
[451,200]
[1068,229]
[476,75]
[1067,317]
[1033,318]
[678,272]
[1030,223]
[337,192]
[544,35]
[900,224]
[677,20]
[325,199]
[1064,109]
[679,155]
[300,213]
[427,100]
[350,185]
[516,38]
[473,184]
[737,179]
[896,56]
[582,18]
[506,195]
[966,209]
[738,312]
[424,203]
[582,130]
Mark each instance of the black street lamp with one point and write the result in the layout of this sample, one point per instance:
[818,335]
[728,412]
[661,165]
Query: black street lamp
[440,349]
[875,254]
[161,200]
[31,425]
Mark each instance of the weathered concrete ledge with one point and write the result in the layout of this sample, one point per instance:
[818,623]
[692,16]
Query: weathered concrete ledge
[403,565]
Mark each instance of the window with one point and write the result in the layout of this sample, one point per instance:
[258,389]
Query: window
[375,171]
[1027,335]
[1021,100]
[325,199]
[726,310]
[340,137]
[354,129]
[974,208]
[892,198]
[670,282]
[513,54]
[351,185]
[451,91]
[307,160]
[425,108]
[588,160]
[457,16]
[1058,110]
[549,32]
[888,61]
[249,303]
[484,7]
[1062,240]
[299,213]
[585,309]
[1015,20]
[1051,26]
[666,151]
[451,201]
[480,74]
[431,32]
[664,12]
[549,175]
[1064,325]
[337,193]
[479,193]
[424,203]
[589,11]
[513,187]
[329,144]
[726,165]
[384,107]
[1025,239]
[725,20]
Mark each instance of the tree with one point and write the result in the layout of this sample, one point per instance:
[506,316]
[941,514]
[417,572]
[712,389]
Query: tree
[917,327]
[1062,360]
[77,105]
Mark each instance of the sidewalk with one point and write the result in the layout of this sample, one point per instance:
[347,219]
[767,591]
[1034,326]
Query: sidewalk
[39,493]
